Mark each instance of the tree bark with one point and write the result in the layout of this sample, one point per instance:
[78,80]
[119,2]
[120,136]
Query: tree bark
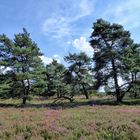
[135,76]
[24,93]
[85,91]
[118,94]
[135,95]
[24,100]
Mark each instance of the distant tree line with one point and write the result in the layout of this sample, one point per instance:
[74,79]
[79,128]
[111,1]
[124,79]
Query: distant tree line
[116,57]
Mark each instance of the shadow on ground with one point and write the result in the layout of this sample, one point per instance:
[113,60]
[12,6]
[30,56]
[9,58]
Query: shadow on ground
[74,104]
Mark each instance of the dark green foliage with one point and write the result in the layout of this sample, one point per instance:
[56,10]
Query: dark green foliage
[5,84]
[56,81]
[5,61]
[131,60]
[21,56]
[109,42]
[79,69]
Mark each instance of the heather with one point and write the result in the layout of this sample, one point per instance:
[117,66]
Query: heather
[80,120]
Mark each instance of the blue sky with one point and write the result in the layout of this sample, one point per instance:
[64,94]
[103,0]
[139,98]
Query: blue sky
[63,26]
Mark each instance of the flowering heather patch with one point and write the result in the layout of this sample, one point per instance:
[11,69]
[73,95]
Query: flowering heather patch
[128,111]
[97,122]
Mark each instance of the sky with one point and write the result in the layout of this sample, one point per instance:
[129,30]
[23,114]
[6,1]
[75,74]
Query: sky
[60,27]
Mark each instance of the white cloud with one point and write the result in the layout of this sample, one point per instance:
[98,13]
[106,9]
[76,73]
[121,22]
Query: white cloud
[125,13]
[57,57]
[68,42]
[83,45]
[84,8]
[47,60]
[59,25]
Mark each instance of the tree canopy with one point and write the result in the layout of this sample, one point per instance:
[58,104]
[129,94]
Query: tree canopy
[110,42]
[115,65]
[22,57]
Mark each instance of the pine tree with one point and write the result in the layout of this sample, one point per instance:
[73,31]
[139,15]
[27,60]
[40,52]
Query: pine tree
[56,81]
[22,56]
[80,70]
[109,41]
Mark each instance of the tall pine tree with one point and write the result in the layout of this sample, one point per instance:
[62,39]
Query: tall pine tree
[109,41]
[22,56]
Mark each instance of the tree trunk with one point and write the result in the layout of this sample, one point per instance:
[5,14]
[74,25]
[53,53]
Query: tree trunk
[28,88]
[85,91]
[24,92]
[135,95]
[135,90]
[119,97]
[118,94]
[24,100]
